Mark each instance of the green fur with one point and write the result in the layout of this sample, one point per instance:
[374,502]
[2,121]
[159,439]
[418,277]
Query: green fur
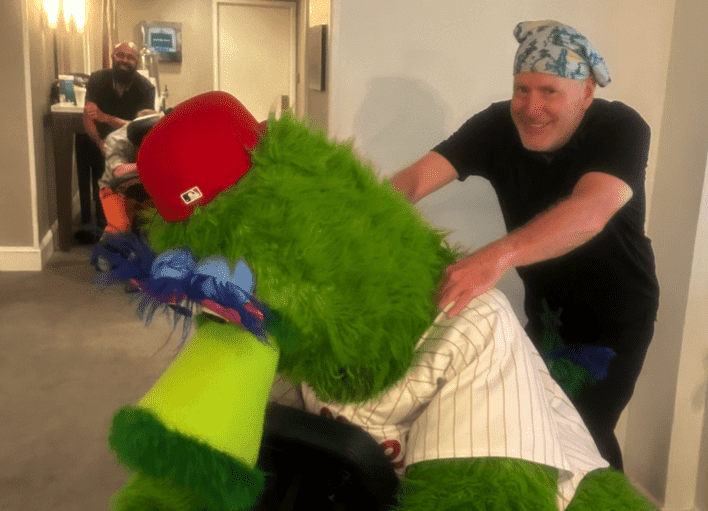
[572,377]
[143,444]
[609,490]
[342,256]
[479,484]
[146,493]
[490,484]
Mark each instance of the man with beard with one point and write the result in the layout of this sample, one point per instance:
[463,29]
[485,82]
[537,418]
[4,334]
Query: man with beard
[113,98]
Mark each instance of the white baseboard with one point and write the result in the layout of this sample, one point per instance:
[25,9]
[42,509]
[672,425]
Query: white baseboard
[656,502]
[47,244]
[646,494]
[35,258]
[27,258]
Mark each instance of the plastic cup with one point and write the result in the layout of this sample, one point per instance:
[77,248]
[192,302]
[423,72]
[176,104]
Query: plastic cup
[80,93]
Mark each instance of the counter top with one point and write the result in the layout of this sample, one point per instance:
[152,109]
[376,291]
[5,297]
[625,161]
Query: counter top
[66,108]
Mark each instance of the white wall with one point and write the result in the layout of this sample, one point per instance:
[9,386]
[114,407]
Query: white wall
[667,410]
[405,75]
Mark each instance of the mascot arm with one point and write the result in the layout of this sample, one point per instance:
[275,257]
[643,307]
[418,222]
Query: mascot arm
[492,484]
[479,483]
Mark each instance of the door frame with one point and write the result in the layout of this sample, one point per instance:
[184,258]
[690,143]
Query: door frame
[292,7]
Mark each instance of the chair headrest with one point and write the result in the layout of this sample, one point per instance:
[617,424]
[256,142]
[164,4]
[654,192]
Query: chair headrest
[140,127]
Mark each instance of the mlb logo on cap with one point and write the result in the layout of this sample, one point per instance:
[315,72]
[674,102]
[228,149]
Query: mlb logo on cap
[195,152]
[192,195]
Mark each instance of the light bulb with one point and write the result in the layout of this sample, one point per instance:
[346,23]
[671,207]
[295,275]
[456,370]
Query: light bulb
[51,7]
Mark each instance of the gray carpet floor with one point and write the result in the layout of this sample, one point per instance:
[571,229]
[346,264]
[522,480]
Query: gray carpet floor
[70,355]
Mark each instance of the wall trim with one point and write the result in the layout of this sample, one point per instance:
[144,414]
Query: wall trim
[647,494]
[27,258]
[29,105]
[656,502]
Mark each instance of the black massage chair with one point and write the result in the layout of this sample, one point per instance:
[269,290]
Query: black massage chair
[318,463]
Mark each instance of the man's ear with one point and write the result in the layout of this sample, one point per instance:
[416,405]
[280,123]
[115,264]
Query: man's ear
[590,86]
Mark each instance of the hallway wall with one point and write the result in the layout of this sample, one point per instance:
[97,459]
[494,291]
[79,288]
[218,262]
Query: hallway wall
[406,75]
[27,179]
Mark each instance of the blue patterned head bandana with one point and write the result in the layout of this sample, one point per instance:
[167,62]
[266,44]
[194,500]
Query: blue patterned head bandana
[553,48]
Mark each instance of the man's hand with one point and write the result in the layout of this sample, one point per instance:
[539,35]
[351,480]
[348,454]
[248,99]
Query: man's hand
[93,112]
[567,225]
[470,277]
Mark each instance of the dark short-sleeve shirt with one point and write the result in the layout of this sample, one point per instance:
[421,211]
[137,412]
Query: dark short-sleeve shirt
[139,96]
[612,276]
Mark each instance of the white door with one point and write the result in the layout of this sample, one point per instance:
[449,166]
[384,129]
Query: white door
[255,53]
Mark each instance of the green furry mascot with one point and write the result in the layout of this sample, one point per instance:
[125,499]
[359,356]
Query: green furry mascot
[292,258]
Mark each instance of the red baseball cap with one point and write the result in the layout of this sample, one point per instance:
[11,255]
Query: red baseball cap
[197,151]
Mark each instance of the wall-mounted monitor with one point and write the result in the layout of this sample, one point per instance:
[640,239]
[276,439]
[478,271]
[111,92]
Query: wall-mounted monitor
[164,39]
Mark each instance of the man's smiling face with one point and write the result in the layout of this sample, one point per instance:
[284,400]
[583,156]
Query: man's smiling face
[548,109]
[125,62]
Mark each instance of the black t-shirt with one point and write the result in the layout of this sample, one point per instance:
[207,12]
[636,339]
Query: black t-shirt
[612,276]
[139,96]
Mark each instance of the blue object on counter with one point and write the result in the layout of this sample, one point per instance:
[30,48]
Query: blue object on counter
[66,89]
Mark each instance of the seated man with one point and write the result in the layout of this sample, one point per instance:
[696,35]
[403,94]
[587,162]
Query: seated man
[120,190]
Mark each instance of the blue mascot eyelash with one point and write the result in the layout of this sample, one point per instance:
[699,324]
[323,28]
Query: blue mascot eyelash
[175,279]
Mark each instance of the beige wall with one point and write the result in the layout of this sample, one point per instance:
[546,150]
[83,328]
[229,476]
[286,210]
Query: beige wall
[27,179]
[16,226]
[195,74]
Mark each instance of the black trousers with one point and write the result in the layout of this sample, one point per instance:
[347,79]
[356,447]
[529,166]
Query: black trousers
[600,405]
[90,165]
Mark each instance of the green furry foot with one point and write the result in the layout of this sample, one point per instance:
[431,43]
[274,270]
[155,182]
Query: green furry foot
[609,490]
[175,462]
[479,484]
[147,493]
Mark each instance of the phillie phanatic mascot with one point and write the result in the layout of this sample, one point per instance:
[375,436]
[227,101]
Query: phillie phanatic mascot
[295,263]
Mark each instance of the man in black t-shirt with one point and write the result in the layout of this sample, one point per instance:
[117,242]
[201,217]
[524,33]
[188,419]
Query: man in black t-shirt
[113,98]
[569,173]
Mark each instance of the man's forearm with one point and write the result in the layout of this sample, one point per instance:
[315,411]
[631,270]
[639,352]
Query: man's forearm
[423,177]
[552,234]
[569,224]
[92,131]
[114,122]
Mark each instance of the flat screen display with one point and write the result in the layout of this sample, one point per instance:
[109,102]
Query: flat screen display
[162,39]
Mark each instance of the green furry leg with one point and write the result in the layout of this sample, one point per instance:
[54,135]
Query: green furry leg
[609,490]
[170,461]
[147,493]
[479,484]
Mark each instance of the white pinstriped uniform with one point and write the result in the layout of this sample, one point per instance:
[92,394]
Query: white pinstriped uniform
[478,389]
